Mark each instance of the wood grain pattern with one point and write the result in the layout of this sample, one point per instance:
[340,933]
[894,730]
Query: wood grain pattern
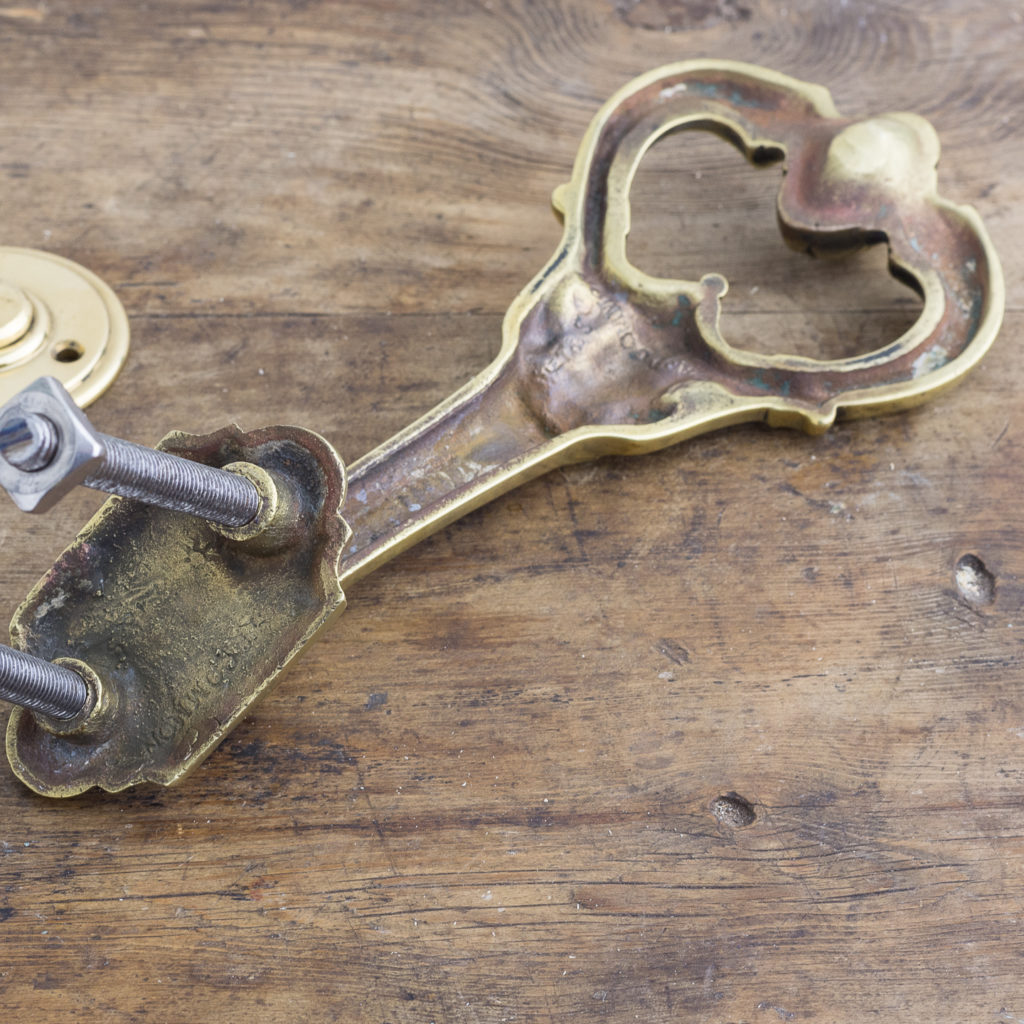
[490,792]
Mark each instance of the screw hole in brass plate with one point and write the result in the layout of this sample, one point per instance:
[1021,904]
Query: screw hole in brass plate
[67,351]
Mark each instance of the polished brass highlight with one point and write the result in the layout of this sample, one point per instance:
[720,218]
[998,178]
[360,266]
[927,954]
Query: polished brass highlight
[57,319]
[187,627]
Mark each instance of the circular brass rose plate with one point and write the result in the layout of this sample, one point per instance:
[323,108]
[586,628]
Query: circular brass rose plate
[60,320]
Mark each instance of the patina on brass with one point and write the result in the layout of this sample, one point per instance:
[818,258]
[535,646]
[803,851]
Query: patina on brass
[597,358]
[181,625]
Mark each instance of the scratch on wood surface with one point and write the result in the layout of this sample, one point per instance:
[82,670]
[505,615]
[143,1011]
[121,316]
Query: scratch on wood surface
[783,1013]
[36,14]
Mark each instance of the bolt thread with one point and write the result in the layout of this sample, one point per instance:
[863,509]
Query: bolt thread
[171,482]
[28,442]
[39,685]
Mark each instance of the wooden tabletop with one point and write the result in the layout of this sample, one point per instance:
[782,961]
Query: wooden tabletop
[718,734]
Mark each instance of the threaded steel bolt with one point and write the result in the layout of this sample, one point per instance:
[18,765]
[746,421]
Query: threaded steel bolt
[157,478]
[40,685]
[47,446]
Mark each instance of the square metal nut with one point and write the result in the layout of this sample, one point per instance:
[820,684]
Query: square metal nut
[79,448]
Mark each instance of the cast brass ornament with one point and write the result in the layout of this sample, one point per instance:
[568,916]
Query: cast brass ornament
[179,625]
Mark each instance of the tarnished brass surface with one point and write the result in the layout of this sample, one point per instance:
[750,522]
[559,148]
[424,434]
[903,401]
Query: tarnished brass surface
[184,627]
[57,319]
[597,358]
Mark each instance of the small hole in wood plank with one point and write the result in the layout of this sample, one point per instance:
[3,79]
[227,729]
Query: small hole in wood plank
[733,810]
[698,206]
[974,582]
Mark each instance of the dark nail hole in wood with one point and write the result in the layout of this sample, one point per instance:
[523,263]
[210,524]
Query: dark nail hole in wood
[733,810]
[975,583]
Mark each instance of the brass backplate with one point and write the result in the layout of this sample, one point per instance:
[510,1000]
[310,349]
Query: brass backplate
[183,627]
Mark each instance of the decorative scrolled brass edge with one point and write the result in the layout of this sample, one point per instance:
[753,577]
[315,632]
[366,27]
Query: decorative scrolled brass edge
[701,405]
[569,199]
